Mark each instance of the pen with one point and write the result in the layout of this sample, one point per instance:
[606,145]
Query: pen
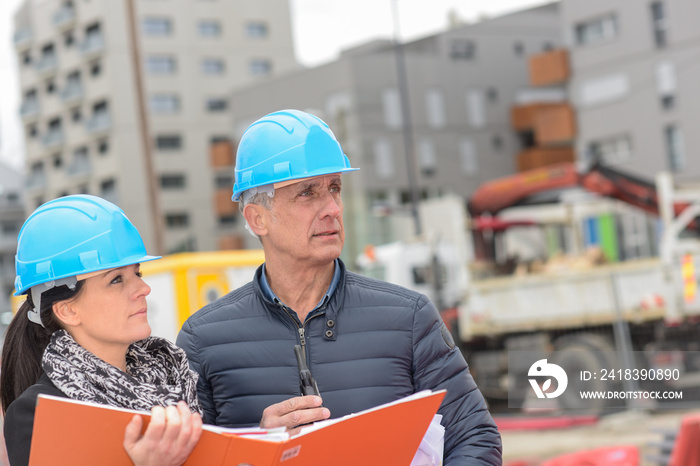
[307,384]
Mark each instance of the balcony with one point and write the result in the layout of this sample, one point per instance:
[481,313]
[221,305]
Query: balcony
[230,242]
[72,93]
[538,157]
[47,64]
[23,38]
[523,117]
[53,139]
[223,205]
[221,154]
[99,123]
[29,109]
[555,125]
[64,17]
[93,45]
[549,68]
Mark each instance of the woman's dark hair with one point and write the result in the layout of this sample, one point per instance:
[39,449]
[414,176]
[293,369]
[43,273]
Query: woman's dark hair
[26,341]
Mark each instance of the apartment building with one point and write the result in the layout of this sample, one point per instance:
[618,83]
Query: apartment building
[635,68]
[461,85]
[81,107]
[11,219]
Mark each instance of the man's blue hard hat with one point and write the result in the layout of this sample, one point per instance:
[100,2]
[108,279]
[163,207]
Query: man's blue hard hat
[286,145]
[75,235]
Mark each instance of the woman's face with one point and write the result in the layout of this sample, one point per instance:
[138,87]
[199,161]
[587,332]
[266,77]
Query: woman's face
[110,310]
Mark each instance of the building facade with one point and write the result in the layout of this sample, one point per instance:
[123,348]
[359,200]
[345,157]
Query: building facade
[81,105]
[461,86]
[634,83]
[11,219]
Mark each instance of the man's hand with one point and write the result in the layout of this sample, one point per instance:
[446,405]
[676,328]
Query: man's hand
[294,412]
[169,438]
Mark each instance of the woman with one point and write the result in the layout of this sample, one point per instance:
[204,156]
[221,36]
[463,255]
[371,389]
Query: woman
[83,332]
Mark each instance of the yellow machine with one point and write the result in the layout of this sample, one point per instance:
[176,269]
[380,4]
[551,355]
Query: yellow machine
[183,283]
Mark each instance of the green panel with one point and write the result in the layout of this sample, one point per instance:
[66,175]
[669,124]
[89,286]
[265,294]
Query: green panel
[608,237]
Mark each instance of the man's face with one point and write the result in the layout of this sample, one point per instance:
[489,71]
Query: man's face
[305,222]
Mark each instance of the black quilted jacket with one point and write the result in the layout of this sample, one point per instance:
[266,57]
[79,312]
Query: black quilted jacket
[373,342]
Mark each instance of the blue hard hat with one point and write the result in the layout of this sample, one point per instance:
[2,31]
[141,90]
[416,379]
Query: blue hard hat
[74,235]
[286,145]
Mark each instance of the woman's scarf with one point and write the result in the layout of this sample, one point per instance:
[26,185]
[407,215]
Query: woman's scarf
[157,374]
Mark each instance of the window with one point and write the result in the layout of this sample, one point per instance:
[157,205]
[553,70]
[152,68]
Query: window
[260,67]
[216,104]
[223,181]
[383,158]
[95,69]
[462,49]
[597,30]
[76,115]
[611,150]
[69,39]
[435,108]
[168,142]
[497,142]
[33,131]
[50,86]
[658,23]
[519,49]
[492,95]
[164,103]
[427,157]
[228,220]
[666,84]
[27,58]
[675,148]
[475,108]
[10,228]
[597,91]
[57,160]
[103,147]
[108,188]
[468,157]
[172,181]
[177,220]
[209,28]
[156,26]
[160,64]
[391,104]
[212,66]
[256,29]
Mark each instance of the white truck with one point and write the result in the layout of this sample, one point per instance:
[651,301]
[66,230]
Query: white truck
[583,306]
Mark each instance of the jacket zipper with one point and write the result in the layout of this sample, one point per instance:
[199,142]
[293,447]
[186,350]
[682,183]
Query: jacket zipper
[301,329]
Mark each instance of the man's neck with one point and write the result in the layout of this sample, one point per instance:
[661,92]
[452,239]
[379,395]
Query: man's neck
[299,288]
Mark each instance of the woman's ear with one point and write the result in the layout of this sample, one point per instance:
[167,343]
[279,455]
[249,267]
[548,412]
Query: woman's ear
[255,215]
[66,313]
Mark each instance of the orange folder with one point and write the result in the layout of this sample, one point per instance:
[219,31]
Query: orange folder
[73,433]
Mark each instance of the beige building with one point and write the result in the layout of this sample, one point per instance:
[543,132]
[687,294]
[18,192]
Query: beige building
[81,107]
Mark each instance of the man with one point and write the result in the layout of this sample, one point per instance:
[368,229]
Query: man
[366,342]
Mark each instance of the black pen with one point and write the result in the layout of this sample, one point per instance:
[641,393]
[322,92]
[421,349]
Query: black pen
[307,384]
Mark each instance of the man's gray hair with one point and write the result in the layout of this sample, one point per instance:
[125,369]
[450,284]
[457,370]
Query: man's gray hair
[261,195]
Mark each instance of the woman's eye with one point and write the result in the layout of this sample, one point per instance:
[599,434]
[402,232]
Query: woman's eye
[117,279]
[139,274]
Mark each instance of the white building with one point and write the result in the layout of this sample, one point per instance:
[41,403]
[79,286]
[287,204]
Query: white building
[81,106]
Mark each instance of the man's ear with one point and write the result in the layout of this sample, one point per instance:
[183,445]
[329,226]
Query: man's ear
[256,216]
[66,314]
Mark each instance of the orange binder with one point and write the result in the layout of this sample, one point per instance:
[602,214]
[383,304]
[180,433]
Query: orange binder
[73,433]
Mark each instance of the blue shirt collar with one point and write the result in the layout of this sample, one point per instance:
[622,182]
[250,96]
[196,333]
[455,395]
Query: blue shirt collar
[270,295]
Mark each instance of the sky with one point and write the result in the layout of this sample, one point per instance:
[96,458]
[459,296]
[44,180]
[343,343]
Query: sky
[322,28]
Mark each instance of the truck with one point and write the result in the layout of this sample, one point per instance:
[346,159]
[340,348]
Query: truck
[512,271]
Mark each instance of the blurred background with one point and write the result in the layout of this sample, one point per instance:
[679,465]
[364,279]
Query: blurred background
[528,165]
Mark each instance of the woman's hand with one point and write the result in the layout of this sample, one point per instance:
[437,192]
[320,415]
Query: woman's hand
[169,438]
